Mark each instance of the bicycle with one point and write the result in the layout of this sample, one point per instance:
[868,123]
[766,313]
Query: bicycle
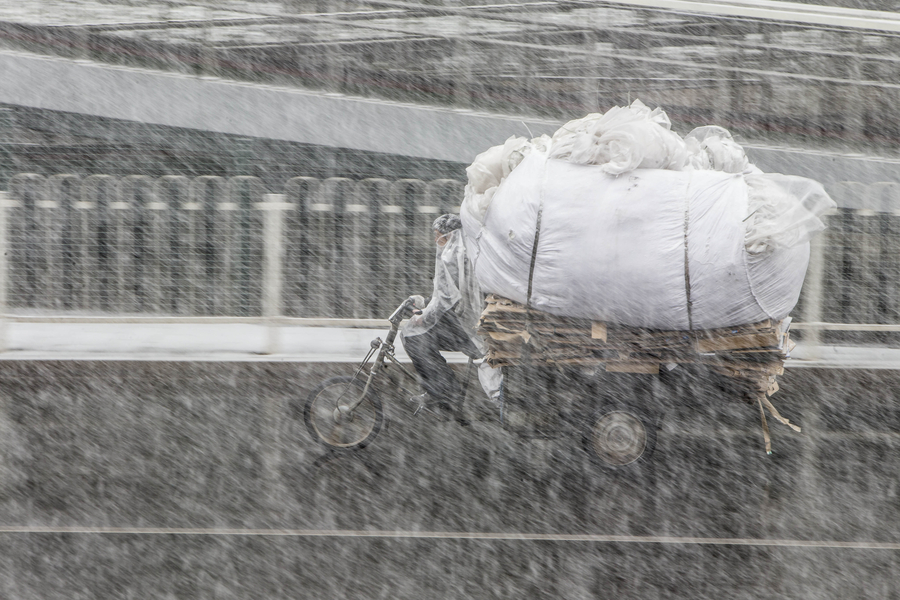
[346,412]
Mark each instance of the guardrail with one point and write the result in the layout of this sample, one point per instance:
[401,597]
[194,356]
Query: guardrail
[197,247]
[853,281]
[325,252]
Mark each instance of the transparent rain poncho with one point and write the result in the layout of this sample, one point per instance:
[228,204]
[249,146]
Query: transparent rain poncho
[456,289]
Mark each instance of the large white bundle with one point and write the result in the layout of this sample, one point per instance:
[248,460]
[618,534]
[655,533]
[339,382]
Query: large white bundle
[651,248]
[639,226]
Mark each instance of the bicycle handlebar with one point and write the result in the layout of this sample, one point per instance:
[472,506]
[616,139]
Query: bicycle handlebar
[400,313]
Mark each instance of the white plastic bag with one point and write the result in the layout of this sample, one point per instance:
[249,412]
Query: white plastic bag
[784,211]
[621,140]
[713,148]
[491,167]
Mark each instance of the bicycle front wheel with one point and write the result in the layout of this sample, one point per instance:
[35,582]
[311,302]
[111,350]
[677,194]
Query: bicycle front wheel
[330,421]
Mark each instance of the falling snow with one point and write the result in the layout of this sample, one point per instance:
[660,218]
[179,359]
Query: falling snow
[209,211]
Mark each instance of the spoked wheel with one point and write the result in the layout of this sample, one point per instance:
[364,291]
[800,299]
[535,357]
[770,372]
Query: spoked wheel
[330,421]
[618,437]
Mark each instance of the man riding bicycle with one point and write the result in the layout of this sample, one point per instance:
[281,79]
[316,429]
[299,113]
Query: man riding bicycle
[448,322]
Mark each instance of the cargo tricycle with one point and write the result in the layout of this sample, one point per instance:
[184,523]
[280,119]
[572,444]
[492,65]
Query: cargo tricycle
[346,413]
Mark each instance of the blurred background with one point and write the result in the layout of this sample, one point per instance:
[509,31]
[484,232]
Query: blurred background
[126,126]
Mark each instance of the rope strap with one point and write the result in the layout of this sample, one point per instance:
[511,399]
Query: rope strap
[534,249]
[687,267]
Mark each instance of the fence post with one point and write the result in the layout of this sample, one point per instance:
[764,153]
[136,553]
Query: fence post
[65,190]
[324,237]
[26,252]
[359,249]
[394,230]
[184,261]
[297,246]
[373,296]
[446,194]
[91,274]
[135,192]
[244,192]
[860,254]
[886,196]
[214,226]
[418,255]
[812,307]
[273,258]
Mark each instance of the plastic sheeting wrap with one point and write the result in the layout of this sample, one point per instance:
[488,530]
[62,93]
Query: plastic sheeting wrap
[653,248]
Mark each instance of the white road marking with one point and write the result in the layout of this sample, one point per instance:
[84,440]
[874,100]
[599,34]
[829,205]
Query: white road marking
[456,535]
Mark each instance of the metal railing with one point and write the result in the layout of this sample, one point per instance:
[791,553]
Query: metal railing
[325,252]
[853,280]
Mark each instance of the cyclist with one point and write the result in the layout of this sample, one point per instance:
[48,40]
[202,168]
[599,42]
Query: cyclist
[448,322]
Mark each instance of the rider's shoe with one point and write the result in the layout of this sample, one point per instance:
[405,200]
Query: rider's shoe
[427,402]
[420,401]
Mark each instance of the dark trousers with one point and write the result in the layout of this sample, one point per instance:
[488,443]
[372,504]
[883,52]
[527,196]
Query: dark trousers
[424,351]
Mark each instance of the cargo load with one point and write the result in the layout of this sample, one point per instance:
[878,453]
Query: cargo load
[618,219]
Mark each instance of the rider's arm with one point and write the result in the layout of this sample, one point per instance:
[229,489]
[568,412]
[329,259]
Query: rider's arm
[445,291]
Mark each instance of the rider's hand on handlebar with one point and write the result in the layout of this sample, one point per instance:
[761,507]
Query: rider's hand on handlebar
[418,303]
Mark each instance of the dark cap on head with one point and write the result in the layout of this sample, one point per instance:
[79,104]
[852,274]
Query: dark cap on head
[444,224]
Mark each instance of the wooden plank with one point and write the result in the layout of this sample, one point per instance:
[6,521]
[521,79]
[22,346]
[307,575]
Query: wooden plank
[518,337]
[632,367]
[748,353]
[737,342]
[598,331]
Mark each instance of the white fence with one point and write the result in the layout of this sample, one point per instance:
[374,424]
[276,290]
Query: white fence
[197,247]
[332,251]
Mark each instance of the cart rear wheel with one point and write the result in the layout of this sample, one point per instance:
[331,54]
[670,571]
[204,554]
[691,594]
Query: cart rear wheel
[330,421]
[619,437]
